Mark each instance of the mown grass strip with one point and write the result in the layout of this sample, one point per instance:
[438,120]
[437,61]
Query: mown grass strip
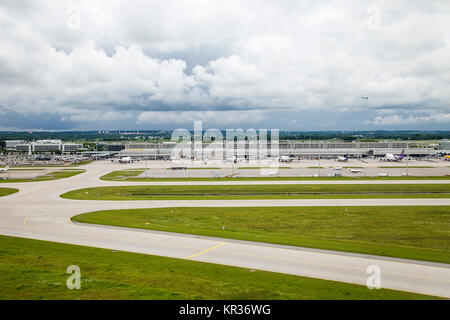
[120,175]
[7,191]
[421,233]
[298,191]
[54,175]
[36,270]
[404,167]
[259,168]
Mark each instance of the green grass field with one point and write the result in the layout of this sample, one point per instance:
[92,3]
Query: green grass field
[54,175]
[404,167]
[421,233]
[259,168]
[82,163]
[299,191]
[33,269]
[121,175]
[7,191]
[131,175]
[197,168]
[26,169]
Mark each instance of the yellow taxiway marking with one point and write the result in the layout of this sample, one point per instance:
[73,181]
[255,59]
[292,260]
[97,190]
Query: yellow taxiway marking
[206,250]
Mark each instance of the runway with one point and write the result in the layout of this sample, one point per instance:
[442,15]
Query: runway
[37,212]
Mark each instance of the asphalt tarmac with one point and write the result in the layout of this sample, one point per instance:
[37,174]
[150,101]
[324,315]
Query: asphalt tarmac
[37,212]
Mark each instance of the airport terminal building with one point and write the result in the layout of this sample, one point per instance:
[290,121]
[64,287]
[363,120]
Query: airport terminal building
[42,146]
[444,147]
[164,151]
[245,149]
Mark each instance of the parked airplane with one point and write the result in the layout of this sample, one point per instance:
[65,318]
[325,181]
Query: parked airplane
[355,170]
[342,159]
[4,169]
[232,175]
[393,157]
[236,159]
[126,160]
[285,159]
[215,174]
[231,159]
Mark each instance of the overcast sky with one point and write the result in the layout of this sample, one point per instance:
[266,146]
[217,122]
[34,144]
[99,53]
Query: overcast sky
[292,65]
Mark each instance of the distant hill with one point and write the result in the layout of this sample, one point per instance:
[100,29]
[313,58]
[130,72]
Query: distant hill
[158,135]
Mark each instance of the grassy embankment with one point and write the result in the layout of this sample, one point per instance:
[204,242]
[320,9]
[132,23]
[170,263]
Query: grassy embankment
[421,232]
[259,168]
[81,163]
[132,175]
[197,168]
[7,191]
[296,191]
[404,167]
[34,269]
[54,175]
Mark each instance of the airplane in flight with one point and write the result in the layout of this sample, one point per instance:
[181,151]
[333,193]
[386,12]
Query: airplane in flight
[393,157]
[342,159]
[4,169]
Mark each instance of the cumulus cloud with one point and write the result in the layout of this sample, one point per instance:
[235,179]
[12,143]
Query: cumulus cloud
[209,117]
[398,119]
[96,116]
[151,62]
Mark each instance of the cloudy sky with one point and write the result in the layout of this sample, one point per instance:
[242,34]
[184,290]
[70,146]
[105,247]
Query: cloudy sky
[292,65]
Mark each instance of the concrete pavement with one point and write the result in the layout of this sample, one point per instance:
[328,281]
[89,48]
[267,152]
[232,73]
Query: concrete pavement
[38,212]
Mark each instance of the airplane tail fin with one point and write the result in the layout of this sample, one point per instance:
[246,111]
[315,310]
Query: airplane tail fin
[403,152]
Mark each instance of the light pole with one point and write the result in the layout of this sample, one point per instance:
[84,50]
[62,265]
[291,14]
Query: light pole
[146,173]
[319,166]
[407,159]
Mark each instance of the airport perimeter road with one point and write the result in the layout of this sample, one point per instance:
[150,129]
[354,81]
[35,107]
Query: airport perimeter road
[37,212]
[98,169]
